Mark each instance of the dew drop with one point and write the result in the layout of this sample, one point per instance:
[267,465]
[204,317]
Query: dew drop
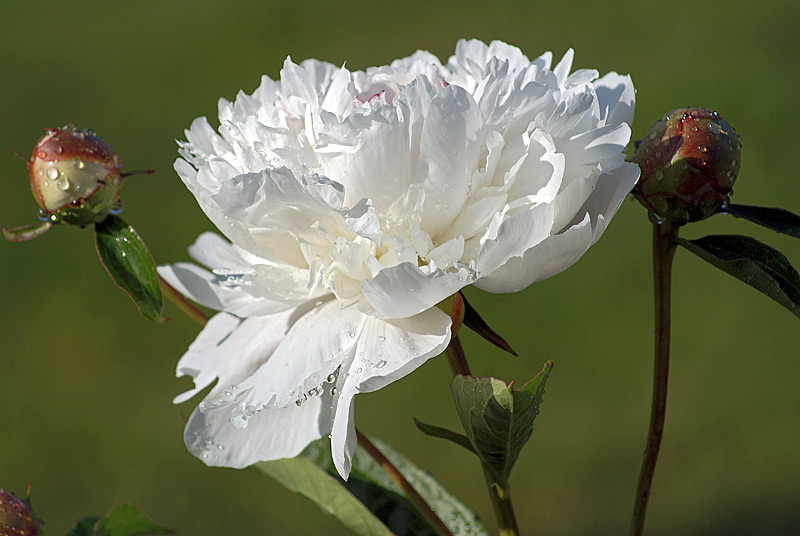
[249,411]
[41,173]
[702,148]
[208,442]
[358,370]
[333,391]
[78,163]
[53,173]
[734,162]
[659,175]
[300,401]
[63,183]
[352,334]
[220,447]
[58,149]
[42,154]
[331,377]
[381,338]
[330,356]
[380,364]
[227,393]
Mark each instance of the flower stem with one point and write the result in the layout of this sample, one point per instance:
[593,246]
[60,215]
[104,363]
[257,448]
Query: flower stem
[665,237]
[500,494]
[187,307]
[422,506]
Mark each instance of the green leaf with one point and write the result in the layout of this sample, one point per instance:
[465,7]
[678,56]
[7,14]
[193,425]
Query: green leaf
[303,476]
[84,527]
[458,517]
[476,323]
[377,494]
[497,418]
[777,219]
[122,520]
[127,520]
[26,232]
[762,267]
[128,262]
[444,433]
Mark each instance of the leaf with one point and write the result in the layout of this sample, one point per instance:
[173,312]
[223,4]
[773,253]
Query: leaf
[84,527]
[777,219]
[444,433]
[477,324]
[497,418]
[127,520]
[122,520]
[303,476]
[128,262]
[26,232]
[377,492]
[762,267]
[458,517]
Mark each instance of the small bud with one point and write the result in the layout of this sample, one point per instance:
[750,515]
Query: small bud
[17,518]
[689,162]
[75,176]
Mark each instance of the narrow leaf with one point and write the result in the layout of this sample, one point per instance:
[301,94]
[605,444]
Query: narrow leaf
[777,219]
[303,476]
[444,433]
[477,324]
[26,232]
[757,264]
[497,418]
[128,262]
[127,520]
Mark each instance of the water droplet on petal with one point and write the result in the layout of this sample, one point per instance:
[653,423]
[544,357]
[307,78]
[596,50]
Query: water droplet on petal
[249,411]
[380,364]
[53,173]
[381,338]
[58,149]
[63,184]
[78,163]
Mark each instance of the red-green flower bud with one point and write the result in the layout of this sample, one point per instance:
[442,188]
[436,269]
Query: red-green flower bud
[75,176]
[689,162]
[17,518]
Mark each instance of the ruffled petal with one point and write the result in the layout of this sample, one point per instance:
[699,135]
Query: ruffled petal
[387,350]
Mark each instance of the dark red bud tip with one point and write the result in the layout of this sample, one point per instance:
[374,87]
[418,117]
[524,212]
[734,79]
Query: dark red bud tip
[689,162]
[17,517]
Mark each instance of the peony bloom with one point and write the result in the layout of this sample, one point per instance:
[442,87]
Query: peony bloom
[354,202]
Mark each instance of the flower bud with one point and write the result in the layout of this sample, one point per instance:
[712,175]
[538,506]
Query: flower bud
[75,176]
[689,162]
[17,518]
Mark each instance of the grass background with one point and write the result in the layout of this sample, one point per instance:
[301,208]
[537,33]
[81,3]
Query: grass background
[86,384]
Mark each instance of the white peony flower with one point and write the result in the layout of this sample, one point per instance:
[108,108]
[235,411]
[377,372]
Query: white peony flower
[354,202]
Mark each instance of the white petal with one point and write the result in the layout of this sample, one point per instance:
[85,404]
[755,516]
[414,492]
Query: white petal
[230,349]
[448,156]
[550,257]
[314,348]
[615,95]
[270,434]
[387,350]
[404,290]
[204,287]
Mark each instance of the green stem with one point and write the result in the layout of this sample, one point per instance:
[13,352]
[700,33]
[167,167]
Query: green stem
[501,495]
[665,237]
[422,506]
[187,307]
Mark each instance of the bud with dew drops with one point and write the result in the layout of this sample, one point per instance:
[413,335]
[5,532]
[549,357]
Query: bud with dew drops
[689,162]
[17,517]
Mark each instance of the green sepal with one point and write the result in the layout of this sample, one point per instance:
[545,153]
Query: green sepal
[122,520]
[444,433]
[476,323]
[369,502]
[128,262]
[26,232]
[762,267]
[497,418]
[777,219]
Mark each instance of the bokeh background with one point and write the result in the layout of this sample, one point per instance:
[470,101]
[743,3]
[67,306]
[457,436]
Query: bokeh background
[86,384]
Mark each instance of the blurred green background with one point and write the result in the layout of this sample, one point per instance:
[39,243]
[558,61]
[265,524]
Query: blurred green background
[86,384]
